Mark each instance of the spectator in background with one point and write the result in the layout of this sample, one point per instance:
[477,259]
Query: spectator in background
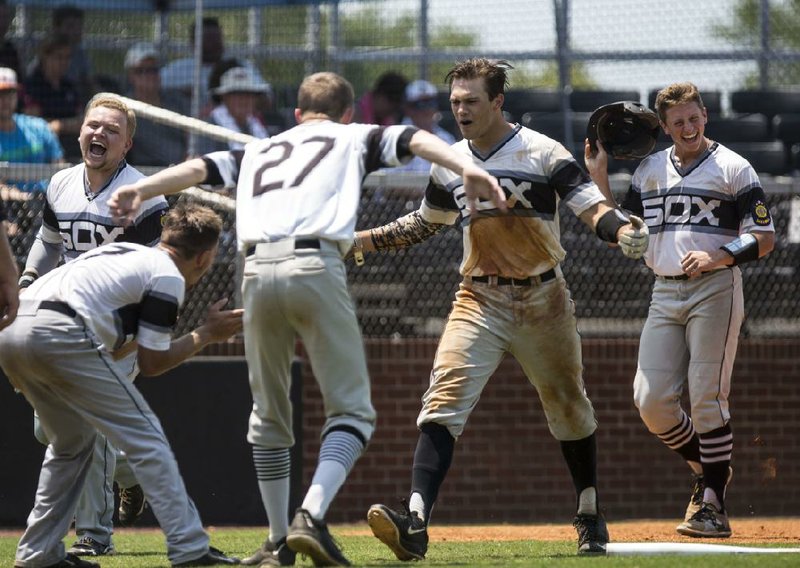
[67,21]
[239,90]
[9,57]
[274,121]
[156,144]
[384,103]
[179,74]
[422,110]
[28,140]
[50,94]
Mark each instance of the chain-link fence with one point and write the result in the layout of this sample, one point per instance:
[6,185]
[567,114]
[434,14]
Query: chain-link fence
[569,57]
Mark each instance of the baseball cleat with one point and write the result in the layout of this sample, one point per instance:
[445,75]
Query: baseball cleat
[592,534]
[131,505]
[404,532]
[708,522]
[272,554]
[87,546]
[214,557]
[698,489]
[311,537]
[69,561]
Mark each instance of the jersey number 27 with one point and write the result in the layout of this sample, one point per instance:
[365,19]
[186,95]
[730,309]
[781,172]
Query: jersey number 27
[278,153]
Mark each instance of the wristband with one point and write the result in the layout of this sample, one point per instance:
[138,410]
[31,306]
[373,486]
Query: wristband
[608,225]
[28,277]
[744,249]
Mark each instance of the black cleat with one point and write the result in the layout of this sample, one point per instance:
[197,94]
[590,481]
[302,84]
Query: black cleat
[592,534]
[87,546]
[214,557]
[311,537]
[272,554]
[696,498]
[70,561]
[708,522]
[131,505]
[404,532]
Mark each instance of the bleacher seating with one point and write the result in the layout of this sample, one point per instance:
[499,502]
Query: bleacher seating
[589,100]
[765,157]
[766,102]
[520,101]
[711,99]
[747,128]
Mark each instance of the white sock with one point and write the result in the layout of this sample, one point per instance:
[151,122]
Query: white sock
[587,501]
[275,496]
[328,478]
[417,505]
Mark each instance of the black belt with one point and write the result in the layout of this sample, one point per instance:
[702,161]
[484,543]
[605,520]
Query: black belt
[60,307]
[678,277]
[298,244]
[503,281]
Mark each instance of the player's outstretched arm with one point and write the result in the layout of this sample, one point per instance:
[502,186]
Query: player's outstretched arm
[478,183]
[125,202]
[9,291]
[401,233]
[219,325]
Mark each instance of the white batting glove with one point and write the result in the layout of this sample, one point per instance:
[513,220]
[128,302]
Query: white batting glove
[634,242]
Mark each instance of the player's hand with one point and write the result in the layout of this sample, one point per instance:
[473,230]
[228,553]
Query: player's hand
[634,237]
[221,324]
[124,204]
[696,262]
[9,302]
[595,158]
[480,184]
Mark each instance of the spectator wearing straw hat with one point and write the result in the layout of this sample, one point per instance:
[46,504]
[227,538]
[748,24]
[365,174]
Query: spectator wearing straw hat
[157,144]
[239,90]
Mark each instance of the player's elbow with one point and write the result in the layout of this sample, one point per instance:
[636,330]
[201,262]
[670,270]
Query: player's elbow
[766,243]
[151,363]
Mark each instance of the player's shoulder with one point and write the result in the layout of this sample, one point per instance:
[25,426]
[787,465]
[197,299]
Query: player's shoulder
[726,157]
[63,179]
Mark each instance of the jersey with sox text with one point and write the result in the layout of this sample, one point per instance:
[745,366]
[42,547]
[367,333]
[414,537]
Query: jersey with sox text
[80,219]
[123,291]
[307,180]
[703,208]
[536,173]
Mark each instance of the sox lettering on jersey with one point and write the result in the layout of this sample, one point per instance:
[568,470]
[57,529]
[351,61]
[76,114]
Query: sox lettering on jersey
[85,235]
[680,210]
[514,189]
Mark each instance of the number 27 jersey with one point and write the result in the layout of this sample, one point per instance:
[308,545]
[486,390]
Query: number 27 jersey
[307,180]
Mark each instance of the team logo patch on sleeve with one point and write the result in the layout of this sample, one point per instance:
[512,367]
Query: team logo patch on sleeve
[761,213]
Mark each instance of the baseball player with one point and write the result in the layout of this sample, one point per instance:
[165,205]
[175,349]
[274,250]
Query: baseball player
[297,197]
[75,220]
[64,353]
[706,211]
[9,293]
[513,299]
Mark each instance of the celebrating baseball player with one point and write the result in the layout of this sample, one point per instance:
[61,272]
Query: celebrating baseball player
[513,299]
[9,293]
[75,220]
[297,197]
[707,214]
[65,353]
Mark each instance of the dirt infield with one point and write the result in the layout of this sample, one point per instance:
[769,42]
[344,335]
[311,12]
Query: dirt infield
[745,531]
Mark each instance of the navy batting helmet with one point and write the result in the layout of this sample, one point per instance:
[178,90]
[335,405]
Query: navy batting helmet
[627,130]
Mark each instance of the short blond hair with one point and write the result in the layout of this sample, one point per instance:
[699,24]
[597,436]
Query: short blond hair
[113,102]
[677,94]
[325,93]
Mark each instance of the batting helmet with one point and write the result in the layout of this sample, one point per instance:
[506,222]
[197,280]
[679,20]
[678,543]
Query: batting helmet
[627,130]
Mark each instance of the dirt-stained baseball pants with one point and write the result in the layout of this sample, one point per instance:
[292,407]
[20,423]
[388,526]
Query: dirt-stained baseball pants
[289,291]
[691,333]
[536,324]
[77,390]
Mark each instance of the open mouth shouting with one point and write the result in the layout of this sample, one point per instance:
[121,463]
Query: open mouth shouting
[97,149]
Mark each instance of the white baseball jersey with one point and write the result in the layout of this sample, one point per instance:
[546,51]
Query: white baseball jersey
[536,173]
[307,180]
[81,220]
[717,199]
[133,292]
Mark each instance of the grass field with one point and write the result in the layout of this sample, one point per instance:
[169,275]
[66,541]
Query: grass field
[144,548]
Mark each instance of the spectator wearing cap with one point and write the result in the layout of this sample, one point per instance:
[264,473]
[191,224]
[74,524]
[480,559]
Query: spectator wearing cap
[422,110]
[239,90]
[384,103]
[28,140]
[156,144]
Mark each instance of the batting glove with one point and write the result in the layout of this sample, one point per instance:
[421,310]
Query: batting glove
[634,243]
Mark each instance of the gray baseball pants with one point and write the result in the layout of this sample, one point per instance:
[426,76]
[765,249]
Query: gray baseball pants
[78,390]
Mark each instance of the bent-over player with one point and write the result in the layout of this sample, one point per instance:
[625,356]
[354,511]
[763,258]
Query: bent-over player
[75,220]
[64,353]
[707,213]
[513,299]
[297,195]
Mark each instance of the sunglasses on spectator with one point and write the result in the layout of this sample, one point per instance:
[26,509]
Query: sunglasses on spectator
[145,70]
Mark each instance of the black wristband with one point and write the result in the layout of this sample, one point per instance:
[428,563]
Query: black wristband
[744,249]
[28,277]
[608,225]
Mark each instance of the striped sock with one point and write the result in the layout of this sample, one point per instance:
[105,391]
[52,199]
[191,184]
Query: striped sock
[272,471]
[716,448]
[339,452]
[683,439]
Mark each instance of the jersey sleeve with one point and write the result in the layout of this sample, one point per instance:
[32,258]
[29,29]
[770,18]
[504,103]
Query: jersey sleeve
[751,203]
[146,229]
[223,169]
[439,205]
[158,312]
[572,184]
[388,147]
